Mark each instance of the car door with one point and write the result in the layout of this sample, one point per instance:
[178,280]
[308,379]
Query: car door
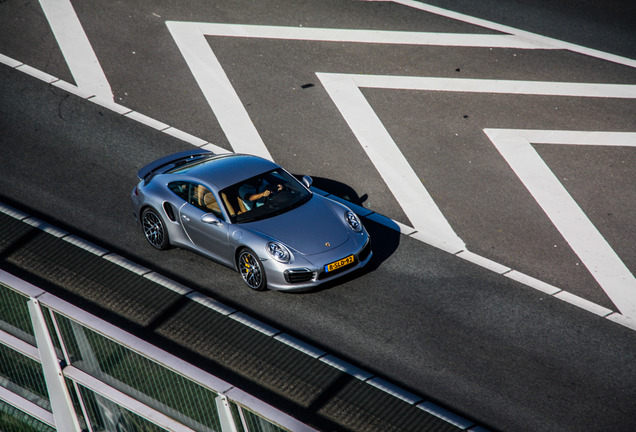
[203,222]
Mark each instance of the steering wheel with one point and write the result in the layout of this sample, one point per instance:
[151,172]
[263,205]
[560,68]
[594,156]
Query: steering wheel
[273,191]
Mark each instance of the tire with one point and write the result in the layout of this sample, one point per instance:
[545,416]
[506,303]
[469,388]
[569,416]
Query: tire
[251,270]
[155,229]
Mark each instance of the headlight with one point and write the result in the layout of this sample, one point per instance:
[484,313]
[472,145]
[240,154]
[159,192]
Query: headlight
[278,251]
[353,221]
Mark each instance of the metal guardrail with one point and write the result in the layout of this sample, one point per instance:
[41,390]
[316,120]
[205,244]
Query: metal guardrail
[63,378]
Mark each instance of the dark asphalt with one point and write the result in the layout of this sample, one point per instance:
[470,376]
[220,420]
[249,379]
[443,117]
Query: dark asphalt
[480,344]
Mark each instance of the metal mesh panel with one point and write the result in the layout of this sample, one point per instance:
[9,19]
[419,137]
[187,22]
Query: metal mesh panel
[23,376]
[107,416]
[14,315]
[14,420]
[140,377]
[246,420]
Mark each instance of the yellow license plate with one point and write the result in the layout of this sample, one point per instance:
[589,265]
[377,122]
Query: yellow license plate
[338,264]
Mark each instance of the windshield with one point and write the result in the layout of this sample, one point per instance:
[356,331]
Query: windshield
[263,196]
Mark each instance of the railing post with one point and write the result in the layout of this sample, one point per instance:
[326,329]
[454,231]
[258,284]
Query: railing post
[225,414]
[61,403]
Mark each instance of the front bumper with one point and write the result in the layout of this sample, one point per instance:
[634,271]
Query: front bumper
[291,278]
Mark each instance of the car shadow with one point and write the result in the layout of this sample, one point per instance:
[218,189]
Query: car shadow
[339,189]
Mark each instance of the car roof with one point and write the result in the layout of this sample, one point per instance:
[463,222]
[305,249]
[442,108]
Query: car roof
[225,170]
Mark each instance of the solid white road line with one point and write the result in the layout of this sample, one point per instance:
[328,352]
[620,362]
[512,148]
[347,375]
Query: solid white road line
[593,250]
[76,48]
[417,203]
[366,36]
[217,89]
[225,102]
[586,241]
[541,88]
[523,35]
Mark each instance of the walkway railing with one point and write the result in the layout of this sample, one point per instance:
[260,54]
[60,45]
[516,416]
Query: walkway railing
[63,369]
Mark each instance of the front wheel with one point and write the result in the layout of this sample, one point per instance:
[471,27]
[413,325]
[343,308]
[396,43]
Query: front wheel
[251,270]
[155,229]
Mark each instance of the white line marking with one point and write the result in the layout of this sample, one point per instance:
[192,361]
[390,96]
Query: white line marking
[10,211]
[211,303]
[398,174]
[545,88]
[346,367]
[148,121]
[255,324]
[184,136]
[375,140]
[623,320]
[225,102]
[35,73]
[431,240]
[389,223]
[12,63]
[575,227]
[111,105]
[87,246]
[300,345]
[444,414]
[48,228]
[483,262]
[394,390]
[583,304]
[564,137]
[168,283]
[533,282]
[403,182]
[76,48]
[524,35]
[73,89]
[610,272]
[366,36]
[126,263]
[217,89]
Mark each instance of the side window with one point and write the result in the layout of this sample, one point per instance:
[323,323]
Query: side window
[204,199]
[180,188]
[197,195]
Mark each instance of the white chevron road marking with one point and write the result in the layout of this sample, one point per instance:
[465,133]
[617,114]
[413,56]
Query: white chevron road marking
[76,48]
[344,89]
[587,242]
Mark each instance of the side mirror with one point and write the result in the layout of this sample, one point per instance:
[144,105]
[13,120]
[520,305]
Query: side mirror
[307,181]
[209,218]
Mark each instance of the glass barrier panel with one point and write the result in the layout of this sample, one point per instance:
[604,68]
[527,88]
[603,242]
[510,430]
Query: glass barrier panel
[255,423]
[107,416]
[14,315]
[247,421]
[140,377]
[23,376]
[14,420]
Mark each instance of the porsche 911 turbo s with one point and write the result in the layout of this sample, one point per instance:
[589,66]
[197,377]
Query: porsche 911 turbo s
[250,214]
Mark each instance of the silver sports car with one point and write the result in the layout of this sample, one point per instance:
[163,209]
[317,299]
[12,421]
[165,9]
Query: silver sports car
[250,214]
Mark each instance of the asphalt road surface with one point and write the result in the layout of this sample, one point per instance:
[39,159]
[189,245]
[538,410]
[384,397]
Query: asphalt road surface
[496,350]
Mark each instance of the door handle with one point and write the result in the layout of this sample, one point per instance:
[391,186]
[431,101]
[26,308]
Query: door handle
[185,218]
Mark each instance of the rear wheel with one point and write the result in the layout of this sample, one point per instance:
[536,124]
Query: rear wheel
[155,229]
[251,270]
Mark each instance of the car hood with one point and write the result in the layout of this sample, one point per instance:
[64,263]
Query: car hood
[315,227]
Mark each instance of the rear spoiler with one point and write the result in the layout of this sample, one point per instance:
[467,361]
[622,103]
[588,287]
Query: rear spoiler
[170,159]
